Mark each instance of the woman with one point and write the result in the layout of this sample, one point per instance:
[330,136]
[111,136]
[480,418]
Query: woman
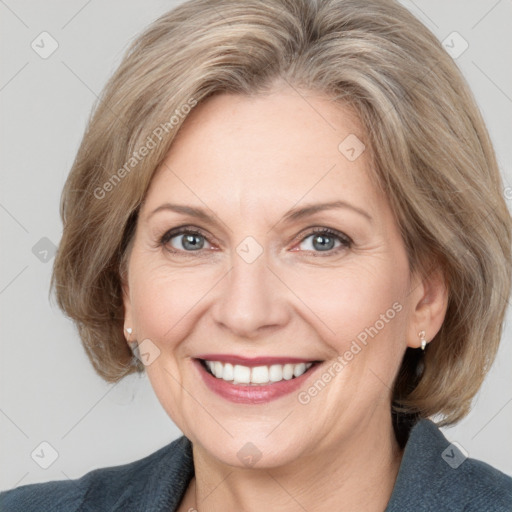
[290,215]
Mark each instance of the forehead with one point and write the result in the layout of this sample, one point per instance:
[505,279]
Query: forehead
[264,151]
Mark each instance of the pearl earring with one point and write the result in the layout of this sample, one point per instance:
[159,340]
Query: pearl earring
[129,330]
[421,334]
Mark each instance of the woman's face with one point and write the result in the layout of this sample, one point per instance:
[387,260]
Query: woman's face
[254,281]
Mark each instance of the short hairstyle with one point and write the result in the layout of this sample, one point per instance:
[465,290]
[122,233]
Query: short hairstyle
[429,150]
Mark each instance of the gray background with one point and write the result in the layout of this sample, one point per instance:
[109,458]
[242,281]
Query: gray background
[49,391]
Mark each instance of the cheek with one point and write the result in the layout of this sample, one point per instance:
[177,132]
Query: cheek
[361,300]
[361,316]
[163,301]
[356,304]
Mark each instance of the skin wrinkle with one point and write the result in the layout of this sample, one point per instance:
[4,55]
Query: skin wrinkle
[257,157]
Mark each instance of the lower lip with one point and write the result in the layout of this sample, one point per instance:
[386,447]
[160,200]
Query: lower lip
[250,394]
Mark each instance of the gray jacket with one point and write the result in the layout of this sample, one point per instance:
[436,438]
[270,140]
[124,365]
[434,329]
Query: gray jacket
[434,476]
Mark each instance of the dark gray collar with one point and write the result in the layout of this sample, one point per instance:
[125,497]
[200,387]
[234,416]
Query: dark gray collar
[433,476]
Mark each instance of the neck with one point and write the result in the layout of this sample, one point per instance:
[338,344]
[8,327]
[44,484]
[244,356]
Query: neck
[355,474]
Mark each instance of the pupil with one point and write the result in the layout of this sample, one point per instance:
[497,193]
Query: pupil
[192,240]
[323,246]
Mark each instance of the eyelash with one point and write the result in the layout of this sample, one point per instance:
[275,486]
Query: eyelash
[346,242]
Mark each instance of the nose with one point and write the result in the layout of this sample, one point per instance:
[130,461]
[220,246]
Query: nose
[251,300]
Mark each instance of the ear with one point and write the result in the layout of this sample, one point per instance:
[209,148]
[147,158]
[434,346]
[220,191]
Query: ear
[429,304]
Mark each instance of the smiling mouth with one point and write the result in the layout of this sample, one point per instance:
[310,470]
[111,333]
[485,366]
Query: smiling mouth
[238,374]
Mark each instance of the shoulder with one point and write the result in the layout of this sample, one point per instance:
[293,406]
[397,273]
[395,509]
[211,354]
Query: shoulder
[162,475]
[485,487]
[436,475]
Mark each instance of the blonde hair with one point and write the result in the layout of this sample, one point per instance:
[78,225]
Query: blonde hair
[429,147]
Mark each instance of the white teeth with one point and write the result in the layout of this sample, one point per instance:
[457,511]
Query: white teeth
[275,373]
[228,372]
[217,369]
[287,371]
[259,375]
[240,374]
[299,369]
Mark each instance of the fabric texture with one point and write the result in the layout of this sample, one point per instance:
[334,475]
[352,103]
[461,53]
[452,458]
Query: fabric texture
[434,476]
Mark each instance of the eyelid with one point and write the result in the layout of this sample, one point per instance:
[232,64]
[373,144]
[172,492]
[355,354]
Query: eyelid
[181,230]
[323,229]
[346,241]
[164,239]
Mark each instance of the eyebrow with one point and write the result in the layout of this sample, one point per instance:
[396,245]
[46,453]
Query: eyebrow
[299,213]
[292,215]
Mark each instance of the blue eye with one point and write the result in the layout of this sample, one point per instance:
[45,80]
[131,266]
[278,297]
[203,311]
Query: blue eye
[323,240]
[191,240]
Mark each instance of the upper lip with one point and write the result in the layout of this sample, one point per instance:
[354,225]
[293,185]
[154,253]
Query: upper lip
[254,361]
